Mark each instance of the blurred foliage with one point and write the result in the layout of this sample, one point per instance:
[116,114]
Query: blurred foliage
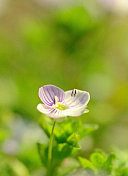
[79,45]
[102,164]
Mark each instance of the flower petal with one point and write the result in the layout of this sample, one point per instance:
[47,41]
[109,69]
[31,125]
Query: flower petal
[74,112]
[50,111]
[47,94]
[56,113]
[44,108]
[67,112]
[81,99]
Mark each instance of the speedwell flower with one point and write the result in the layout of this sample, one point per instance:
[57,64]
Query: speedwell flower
[57,103]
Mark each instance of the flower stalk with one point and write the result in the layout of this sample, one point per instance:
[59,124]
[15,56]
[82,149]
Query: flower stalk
[50,144]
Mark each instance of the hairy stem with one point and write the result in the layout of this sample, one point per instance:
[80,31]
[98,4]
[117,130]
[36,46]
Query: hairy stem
[50,144]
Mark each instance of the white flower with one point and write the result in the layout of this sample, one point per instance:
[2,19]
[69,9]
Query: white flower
[58,104]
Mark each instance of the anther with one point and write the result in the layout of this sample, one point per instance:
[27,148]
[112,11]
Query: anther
[74,92]
[55,100]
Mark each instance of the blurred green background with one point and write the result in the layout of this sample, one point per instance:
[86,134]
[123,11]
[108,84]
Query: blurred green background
[70,44]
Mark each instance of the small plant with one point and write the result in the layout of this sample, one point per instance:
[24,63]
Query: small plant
[60,156]
[58,104]
[101,164]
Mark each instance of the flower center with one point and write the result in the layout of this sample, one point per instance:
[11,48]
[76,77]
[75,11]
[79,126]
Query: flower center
[58,105]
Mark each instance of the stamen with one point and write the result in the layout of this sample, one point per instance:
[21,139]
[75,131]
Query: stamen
[74,92]
[58,105]
[55,100]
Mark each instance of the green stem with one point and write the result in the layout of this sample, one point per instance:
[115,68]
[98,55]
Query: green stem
[50,144]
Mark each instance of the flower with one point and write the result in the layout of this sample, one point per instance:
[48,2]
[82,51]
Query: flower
[58,104]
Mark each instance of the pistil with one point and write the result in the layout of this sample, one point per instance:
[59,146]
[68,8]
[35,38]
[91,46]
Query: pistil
[58,105]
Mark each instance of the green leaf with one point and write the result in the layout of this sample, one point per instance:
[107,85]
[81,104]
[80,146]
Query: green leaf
[86,111]
[86,129]
[46,125]
[73,140]
[87,164]
[43,153]
[108,165]
[62,131]
[98,159]
[61,151]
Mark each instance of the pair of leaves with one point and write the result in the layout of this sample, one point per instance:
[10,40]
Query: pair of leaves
[69,131]
[59,153]
[99,163]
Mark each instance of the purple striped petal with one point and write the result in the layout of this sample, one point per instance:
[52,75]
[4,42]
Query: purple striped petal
[74,112]
[56,113]
[44,108]
[50,111]
[47,94]
[80,99]
[76,104]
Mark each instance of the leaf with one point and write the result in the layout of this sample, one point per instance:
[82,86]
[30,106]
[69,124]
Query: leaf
[97,159]
[43,153]
[86,129]
[62,131]
[108,165]
[87,164]
[61,151]
[86,111]
[73,140]
[45,125]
